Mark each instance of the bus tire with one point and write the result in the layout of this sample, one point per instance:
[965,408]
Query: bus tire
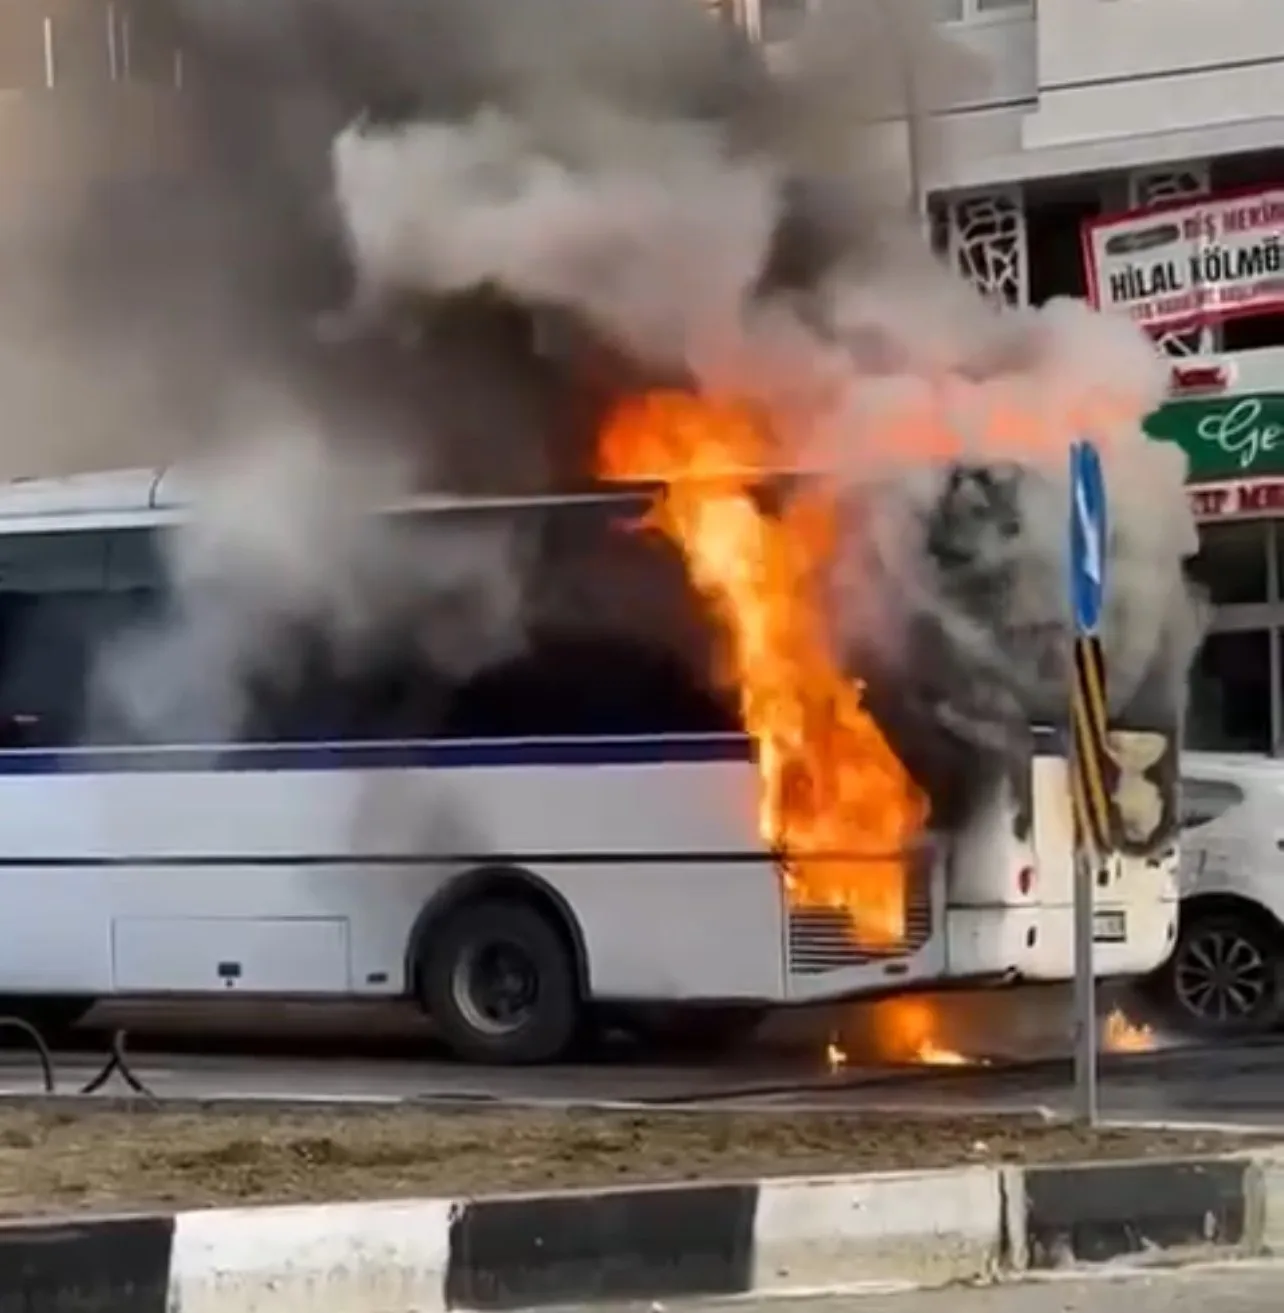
[498,981]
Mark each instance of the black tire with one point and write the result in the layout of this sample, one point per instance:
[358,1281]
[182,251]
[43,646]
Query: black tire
[498,981]
[1224,977]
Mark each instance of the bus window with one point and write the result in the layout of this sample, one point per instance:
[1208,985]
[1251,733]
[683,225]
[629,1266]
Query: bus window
[597,565]
[52,616]
[307,696]
[584,686]
[553,611]
[136,561]
[602,591]
[572,652]
[560,686]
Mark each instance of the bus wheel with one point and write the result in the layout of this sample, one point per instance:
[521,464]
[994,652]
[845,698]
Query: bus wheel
[1224,977]
[498,981]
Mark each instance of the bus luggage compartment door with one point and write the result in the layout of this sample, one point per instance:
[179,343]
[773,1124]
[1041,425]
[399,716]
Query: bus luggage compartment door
[203,955]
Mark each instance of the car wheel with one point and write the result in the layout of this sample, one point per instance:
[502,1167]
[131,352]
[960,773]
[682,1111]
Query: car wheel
[499,982]
[1224,978]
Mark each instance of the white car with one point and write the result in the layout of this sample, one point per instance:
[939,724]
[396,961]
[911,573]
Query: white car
[1226,974]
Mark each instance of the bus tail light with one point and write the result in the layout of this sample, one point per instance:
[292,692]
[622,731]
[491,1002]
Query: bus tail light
[1025,881]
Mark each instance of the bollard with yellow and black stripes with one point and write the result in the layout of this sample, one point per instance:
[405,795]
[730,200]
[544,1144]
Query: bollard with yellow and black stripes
[1091,765]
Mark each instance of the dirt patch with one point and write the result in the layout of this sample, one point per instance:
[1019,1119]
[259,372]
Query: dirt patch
[59,1161]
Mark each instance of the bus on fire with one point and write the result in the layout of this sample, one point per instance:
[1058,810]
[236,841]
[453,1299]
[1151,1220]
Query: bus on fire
[573,830]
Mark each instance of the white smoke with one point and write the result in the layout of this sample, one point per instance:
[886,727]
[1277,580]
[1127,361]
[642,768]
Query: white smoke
[286,556]
[645,229]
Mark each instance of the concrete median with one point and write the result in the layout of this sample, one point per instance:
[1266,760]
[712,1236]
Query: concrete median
[772,1237]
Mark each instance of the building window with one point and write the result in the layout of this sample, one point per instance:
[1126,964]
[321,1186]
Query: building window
[1054,215]
[1237,682]
[1233,563]
[987,243]
[1230,694]
[1258,169]
[1253,334]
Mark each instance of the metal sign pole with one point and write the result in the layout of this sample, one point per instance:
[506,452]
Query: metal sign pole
[1085,993]
[1086,751]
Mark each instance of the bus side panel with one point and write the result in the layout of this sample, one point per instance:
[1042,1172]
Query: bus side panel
[659,863]
[323,929]
[57,936]
[690,931]
[640,809]
[690,906]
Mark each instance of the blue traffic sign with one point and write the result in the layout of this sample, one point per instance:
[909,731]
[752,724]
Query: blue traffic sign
[1087,537]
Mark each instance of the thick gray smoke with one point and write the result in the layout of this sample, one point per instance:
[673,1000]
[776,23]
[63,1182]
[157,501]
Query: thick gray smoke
[285,574]
[946,420]
[451,232]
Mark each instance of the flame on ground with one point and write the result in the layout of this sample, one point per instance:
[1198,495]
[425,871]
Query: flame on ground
[835,800]
[908,1030]
[1119,1035]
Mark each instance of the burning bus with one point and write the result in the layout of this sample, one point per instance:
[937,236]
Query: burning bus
[668,793]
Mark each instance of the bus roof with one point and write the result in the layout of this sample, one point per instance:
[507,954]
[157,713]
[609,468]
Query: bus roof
[117,499]
[140,497]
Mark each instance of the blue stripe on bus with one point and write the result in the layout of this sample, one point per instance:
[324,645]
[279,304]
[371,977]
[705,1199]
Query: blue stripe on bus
[622,750]
[425,754]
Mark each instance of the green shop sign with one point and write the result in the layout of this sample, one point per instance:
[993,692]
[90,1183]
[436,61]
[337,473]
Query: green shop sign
[1234,437]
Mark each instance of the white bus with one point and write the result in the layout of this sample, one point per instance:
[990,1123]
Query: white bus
[560,843]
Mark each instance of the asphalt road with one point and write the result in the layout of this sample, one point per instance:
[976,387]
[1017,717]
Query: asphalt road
[347,1054]
[1233,1289]
[1236,1089]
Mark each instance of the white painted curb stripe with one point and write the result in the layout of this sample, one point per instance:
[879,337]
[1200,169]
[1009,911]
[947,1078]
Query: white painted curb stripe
[331,1258]
[920,1227]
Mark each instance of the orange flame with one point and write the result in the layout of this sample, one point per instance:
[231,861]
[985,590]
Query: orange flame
[835,800]
[1119,1035]
[908,1029]
[904,1030]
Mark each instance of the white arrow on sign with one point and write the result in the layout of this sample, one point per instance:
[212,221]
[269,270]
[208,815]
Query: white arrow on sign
[1091,538]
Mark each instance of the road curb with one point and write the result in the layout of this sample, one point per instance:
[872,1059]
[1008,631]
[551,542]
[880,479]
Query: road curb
[769,1237]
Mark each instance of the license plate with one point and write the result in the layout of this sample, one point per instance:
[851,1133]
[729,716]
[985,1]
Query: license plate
[1109,927]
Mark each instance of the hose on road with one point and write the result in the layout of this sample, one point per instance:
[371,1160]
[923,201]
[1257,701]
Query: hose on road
[117,1062]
